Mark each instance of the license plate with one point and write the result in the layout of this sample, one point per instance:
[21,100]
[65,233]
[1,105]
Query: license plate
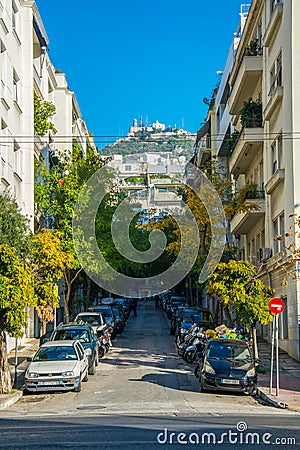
[229,381]
[50,383]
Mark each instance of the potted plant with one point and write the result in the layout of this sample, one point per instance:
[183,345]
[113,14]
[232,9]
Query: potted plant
[251,114]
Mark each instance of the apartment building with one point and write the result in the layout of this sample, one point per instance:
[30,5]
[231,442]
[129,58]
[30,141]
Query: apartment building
[263,150]
[25,70]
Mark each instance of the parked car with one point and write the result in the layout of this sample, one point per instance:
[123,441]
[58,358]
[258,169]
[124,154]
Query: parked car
[57,365]
[228,365]
[94,319]
[125,306]
[189,316]
[85,335]
[119,317]
[109,317]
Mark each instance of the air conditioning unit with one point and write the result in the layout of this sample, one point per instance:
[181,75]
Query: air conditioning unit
[263,254]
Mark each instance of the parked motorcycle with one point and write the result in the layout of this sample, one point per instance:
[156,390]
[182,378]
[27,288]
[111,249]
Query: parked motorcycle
[192,352]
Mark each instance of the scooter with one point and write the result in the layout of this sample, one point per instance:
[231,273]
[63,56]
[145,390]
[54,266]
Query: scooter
[192,352]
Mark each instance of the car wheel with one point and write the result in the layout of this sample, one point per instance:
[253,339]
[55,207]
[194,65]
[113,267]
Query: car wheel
[78,388]
[92,370]
[171,331]
[178,342]
[86,377]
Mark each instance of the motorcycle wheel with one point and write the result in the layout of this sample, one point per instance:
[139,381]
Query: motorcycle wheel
[189,357]
[101,352]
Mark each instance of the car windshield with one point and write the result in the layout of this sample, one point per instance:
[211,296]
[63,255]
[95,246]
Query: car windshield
[72,334]
[202,316]
[106,313]
[90,319]
[188,316]
[59,353]
[229,351]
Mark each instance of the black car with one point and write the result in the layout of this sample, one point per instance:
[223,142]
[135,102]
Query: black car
[228,365]
[85,335]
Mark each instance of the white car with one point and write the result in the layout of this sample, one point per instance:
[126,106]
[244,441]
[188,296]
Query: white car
[57,365]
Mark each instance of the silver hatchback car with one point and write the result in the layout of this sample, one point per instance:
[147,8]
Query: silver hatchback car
[57,365]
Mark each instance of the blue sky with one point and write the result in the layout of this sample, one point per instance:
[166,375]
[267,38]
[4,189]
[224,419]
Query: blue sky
[128,58]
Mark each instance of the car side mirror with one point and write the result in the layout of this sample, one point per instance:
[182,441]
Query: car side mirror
[29,359]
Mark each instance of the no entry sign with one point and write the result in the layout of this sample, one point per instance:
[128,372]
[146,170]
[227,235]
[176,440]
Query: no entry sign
[276,305]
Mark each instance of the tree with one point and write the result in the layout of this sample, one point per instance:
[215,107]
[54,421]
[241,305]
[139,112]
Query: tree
[242,295]
[42,112]
[49,262]
[56,193]
[16,294]
[16,289]
[14,229]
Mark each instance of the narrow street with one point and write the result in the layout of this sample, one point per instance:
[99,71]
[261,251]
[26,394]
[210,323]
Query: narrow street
[141,384]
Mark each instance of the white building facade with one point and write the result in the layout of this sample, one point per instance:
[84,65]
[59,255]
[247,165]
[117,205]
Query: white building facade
[264,105]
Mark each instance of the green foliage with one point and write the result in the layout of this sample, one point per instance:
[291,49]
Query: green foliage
[14,227]
[147,143]
[16,291]
[251,114]
[43,110]
[253,48]
[56,193]
[235,285]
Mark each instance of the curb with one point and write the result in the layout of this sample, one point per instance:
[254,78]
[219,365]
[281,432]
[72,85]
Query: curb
[270,400]
[11,399]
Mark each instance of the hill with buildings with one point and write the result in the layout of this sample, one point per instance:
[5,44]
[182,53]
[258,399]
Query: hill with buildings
[152,139]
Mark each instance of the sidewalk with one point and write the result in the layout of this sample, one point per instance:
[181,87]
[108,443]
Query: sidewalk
[289,378]
[24,352]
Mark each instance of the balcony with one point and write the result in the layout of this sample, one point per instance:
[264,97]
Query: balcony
[274,181]
[248,145]
[244,221]
[273,24]
[243,85]
[275,98]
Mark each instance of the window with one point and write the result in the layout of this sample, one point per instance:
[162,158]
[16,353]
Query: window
[15,17]
[273,4]
[283,321]
[274,158]
[16,84]
[276,153]
[275,235]
[281,233]
[278,234]
[276,74]
[17,159]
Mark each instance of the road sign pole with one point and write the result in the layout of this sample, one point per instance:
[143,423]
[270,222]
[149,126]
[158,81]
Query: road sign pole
[272,354]
[277,355]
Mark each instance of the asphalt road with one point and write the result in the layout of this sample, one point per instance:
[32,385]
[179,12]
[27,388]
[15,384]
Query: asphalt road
[141,394]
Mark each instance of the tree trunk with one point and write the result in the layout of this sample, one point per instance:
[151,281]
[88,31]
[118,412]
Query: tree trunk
[5,378]
[66,302]
[43,328]
[254,340]
[88,292]
[227,315]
